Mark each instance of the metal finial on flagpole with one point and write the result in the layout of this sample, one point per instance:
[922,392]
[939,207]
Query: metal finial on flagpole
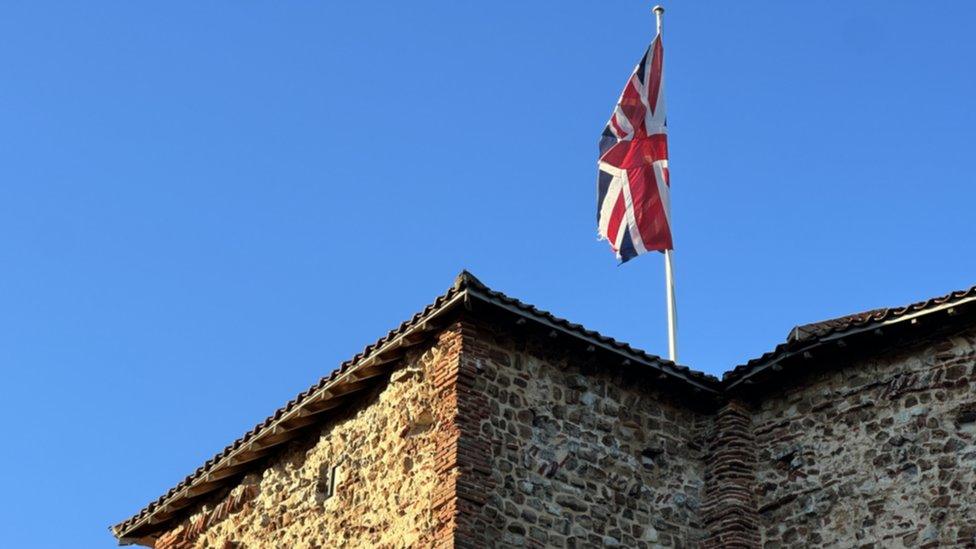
[659,13]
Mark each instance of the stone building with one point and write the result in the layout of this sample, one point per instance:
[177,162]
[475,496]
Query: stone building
[486,422]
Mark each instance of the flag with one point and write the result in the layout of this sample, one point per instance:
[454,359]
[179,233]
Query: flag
[633,205]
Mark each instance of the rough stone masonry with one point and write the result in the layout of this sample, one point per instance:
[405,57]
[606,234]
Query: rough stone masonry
[485,422]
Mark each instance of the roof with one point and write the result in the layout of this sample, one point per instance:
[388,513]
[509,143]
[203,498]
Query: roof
[806,339]
[364,371]
[814,330]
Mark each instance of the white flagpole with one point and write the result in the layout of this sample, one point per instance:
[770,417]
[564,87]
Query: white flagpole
[669,263]
[672,308]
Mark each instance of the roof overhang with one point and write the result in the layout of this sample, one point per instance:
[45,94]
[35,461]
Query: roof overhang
[627,356]
[897,328]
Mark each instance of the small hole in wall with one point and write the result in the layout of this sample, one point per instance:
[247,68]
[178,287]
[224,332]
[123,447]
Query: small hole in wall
[330,477]
[966,416]
[966,419]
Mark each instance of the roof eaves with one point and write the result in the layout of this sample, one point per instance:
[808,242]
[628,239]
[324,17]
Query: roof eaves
[207,477]
[697,380]
[857,324]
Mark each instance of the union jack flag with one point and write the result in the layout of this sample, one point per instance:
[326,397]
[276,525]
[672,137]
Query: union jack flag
[634,206]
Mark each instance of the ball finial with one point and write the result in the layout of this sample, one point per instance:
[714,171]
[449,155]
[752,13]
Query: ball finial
[659,9]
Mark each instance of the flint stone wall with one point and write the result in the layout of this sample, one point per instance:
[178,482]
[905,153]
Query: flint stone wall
[876,453]
[389,485]
[581,454]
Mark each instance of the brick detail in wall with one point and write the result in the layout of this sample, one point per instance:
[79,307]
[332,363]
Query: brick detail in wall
[729,512]
[474,448]
[444,502]
[463,454]
[185,537]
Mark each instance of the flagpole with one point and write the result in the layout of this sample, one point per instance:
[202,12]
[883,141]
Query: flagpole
[672,308]
[669,262]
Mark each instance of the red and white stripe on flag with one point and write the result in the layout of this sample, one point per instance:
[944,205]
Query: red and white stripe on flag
[633,205]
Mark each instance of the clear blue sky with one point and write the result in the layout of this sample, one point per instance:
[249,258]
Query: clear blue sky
[204,207]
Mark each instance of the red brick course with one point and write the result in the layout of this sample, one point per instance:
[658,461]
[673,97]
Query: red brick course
[729,511]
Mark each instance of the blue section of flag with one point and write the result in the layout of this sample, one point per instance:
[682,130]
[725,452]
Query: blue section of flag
[627,250]
[603,185]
